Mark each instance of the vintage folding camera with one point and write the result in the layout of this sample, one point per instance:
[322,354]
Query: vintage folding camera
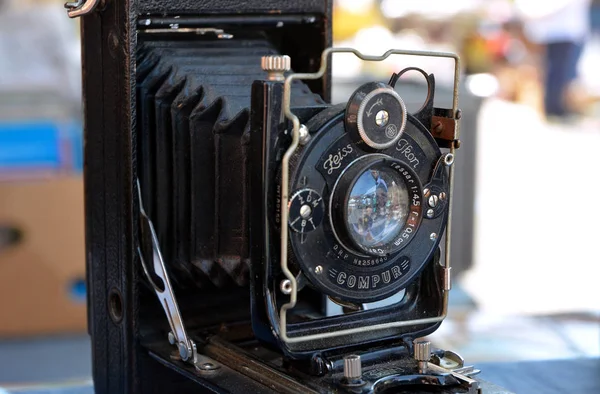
[244,235]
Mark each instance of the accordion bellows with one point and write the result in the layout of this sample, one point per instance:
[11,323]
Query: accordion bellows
[193,122]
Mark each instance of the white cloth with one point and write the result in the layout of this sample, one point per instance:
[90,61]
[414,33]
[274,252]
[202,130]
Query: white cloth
[555,20]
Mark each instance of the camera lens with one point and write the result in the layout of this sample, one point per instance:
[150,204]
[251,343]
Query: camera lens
[377,207]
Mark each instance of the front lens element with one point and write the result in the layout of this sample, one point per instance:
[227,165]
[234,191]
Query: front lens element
[377,207]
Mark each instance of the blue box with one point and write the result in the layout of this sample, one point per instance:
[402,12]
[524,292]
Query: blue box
[40,145]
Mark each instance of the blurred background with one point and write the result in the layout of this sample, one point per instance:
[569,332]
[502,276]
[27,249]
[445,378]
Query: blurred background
[526,266]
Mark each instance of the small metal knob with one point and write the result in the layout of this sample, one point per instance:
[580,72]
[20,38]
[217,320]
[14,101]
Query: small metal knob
[422,350]
[352,367]
[422,354]
[276,66]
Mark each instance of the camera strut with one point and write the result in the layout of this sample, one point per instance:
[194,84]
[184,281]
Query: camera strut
[159,280]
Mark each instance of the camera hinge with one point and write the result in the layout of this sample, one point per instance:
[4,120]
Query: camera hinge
[444,125]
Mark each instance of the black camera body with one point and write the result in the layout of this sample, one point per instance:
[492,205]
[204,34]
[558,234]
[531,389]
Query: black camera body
[221,184]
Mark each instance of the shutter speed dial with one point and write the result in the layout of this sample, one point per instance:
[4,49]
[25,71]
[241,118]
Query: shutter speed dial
[377,115]
[306,210]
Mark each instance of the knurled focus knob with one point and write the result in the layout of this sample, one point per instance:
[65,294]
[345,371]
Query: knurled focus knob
[276,66]
[422,350]
[352,367]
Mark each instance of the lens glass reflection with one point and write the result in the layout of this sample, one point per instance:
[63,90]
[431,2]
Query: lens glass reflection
[377,207]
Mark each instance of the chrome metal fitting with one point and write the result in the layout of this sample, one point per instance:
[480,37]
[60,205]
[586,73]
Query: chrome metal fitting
[447,278]
[276,66]
[422,350]
[422,354]
[81,7]
[352,367]
[304,135]
[286,286]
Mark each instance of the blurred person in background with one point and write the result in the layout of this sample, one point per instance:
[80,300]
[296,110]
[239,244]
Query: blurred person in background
[561,27]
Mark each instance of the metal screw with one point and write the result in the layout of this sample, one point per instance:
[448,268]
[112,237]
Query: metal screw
[457,144]
[207,366]
[382,118]
[305,211]
[433,201]
[304,135]
[171,338]
[430,213]
[318,269]
[433,237]
[443,196]
[438,128]
[352,367]
[426,192]
[184,352]
[458,114]
[449,159]
[286,286]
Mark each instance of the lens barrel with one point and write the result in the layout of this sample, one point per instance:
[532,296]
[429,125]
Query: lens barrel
[376,206]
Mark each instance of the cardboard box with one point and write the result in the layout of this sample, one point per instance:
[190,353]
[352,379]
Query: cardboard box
[42,272]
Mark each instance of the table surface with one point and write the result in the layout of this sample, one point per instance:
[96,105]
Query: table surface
[572,376]
[40,361]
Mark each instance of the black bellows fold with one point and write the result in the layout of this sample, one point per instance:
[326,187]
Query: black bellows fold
[193,100]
